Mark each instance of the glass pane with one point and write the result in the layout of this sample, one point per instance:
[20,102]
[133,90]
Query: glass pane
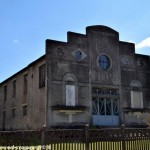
[108,107]
[104,62]
[105,106]
[115,107]
[78,55]
[101,106]
[95,106]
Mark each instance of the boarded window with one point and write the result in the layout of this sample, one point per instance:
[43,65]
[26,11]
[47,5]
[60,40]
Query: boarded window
[70,95]
[136,99]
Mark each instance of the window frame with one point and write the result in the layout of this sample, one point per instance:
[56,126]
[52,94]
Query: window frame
[70,100]
[78,55]
[104,62]
[70,80]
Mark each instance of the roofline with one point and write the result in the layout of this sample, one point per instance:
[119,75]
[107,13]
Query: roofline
[22,70]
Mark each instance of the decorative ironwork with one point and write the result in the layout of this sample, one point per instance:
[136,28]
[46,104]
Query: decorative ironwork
[79,139]
[65,136]
[105,106]
[105,91]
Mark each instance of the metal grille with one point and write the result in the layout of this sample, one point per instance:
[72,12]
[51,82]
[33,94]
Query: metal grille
[79,139]
[105,106]
[105,91]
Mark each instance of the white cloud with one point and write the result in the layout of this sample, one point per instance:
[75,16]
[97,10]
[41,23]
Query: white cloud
[143,44]
[15,40]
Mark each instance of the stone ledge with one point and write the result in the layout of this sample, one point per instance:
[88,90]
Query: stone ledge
[67,108]
[136,110]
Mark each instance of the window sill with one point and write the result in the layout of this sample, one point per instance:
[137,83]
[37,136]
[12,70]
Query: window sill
[63,108]
[136,110]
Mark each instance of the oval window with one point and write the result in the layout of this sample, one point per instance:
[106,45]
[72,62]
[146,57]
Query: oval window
[78,55]
[104,62]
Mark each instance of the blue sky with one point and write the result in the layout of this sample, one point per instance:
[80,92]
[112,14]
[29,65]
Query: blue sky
[26,24]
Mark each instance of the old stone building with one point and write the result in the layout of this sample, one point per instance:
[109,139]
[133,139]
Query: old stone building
[93,78]
[22,99]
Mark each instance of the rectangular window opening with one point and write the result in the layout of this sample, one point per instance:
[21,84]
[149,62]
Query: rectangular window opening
[13,113]
[42,76]
[25,84]
[24,110]
[3,120]
[14,88]
[70,95]
[136,99]
[5,92]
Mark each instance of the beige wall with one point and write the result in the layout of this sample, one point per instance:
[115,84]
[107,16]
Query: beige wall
[34,99]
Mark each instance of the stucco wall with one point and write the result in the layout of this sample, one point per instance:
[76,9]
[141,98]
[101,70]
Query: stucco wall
[134,68]
[75,63]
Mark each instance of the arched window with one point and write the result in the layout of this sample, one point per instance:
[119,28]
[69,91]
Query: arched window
[136,94]
[70,91]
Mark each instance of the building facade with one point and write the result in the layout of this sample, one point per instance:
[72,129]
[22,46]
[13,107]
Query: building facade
[22,99]
[92,78]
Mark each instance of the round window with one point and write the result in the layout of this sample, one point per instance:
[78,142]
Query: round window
[104,62]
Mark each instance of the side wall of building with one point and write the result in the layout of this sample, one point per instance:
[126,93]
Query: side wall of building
[23,107]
